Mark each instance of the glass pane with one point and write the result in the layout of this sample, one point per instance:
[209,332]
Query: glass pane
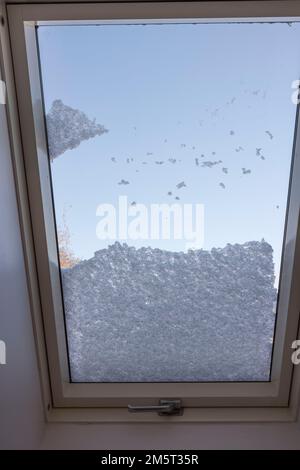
[170,151]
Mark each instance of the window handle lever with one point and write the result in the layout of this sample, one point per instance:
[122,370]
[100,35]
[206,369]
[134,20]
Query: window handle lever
[165,408]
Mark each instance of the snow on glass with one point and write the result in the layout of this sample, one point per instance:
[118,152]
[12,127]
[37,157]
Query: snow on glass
[152,315]
[67,127]
[144,310]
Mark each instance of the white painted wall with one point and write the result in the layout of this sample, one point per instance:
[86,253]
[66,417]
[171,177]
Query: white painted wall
[21,416]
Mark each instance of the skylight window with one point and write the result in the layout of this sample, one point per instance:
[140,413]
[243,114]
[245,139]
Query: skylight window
[161,158]
[194,122]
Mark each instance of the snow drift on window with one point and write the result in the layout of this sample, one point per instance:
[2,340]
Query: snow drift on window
[152,315]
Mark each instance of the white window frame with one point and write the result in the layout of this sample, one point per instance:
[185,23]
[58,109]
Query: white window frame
[255,401]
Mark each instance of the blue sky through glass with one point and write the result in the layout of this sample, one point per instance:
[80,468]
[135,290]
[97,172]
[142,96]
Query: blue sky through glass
[191,93]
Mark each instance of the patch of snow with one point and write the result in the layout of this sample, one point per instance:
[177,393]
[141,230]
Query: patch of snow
[68,127]
[152,315]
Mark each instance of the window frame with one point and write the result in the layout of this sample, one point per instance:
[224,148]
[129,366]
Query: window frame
[108,401]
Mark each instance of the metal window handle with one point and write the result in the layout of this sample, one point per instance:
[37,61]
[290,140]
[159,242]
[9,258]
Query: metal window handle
[165,408]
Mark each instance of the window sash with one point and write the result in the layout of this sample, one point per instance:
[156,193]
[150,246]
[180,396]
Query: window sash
[23,20]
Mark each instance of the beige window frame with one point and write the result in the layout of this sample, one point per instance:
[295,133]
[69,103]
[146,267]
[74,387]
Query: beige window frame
[257,401]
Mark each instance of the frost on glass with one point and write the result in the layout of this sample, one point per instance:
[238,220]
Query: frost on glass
[197,113]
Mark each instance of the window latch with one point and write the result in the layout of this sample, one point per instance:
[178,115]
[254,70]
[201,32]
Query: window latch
[165,408]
